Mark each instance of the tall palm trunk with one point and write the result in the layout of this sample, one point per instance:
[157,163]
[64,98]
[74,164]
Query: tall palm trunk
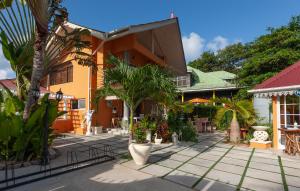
[234,129]
[130,125]
[38,67]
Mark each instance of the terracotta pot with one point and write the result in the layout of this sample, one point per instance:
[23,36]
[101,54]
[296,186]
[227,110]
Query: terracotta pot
[140,152]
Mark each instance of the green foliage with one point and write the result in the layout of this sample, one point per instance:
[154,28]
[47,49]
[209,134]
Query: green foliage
[21,140]
[181,126]
[244,109]
[148,124]
[139,133]
[271,53]
[189,133]
[205,111]
[228,59]
[133,85]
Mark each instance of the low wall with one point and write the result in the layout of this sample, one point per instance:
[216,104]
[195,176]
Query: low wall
[62,125]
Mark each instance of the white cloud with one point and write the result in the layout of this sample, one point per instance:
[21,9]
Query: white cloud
[217,43]
[193,46]
[3,74]
[5,70]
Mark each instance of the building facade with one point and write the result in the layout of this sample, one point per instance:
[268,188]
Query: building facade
[156,43]
[284,90]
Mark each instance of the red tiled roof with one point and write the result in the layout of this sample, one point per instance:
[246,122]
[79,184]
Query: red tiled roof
[11,84]
[287,77]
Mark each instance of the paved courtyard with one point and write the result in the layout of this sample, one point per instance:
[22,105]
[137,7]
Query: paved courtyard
[209,164]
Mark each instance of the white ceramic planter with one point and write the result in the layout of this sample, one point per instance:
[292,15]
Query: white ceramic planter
[140,152]
[260,134]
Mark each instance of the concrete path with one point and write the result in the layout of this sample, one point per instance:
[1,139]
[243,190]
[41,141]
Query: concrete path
[207,165]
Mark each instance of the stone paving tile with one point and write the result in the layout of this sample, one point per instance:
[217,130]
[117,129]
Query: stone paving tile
[266,167]
[292,171]
[170,163]
[293,181]
[264,175]
[230,168]
[291,164]
[219,149]
[229,160]
[212,185]
[266,155]
[291,188]
[184,178]
[201,162]
[237,152]
[156,170]
[153,159]
[235,156]
[198,170]
[265,160]
[132,165]
[222,145]
[225,177]
[217,153]
[260,185]
[189,152]
[179,157]
[208,157]
[241,148]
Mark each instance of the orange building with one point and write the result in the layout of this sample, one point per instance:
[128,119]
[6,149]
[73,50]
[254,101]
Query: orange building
[157,43]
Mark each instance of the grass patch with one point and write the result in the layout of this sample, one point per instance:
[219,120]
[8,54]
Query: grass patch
[245,171]
[285,186]
[210,168]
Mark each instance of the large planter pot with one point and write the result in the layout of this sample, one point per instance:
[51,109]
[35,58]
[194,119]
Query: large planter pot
[140,152]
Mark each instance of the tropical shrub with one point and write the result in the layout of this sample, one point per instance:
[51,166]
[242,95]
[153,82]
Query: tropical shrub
[139,133]
[163,131]
[238,112]
[205,111]
[189,133]
[21,140]
[133,85]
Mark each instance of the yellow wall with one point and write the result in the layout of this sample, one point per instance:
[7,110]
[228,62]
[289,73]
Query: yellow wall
[275,125]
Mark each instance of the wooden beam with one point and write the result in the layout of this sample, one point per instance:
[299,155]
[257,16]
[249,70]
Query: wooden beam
[146,52]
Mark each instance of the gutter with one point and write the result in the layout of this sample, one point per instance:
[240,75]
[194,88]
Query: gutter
[283,88]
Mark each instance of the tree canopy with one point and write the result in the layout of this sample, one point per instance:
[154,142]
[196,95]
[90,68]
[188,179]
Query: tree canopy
[258,60]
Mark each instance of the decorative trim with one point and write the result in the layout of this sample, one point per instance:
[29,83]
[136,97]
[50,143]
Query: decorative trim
[277,93]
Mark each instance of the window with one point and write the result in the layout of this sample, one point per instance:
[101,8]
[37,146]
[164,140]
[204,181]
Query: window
[78,104]
[62,74]
[289,111]
[183,81]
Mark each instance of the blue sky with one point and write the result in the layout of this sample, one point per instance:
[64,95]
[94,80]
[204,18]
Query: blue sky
[205,24]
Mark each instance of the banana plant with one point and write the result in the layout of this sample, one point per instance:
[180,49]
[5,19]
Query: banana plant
[22,141]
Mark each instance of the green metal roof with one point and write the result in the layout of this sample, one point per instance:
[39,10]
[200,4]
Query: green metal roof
[206,81]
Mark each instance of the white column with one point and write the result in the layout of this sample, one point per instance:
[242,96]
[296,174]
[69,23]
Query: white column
[125,115]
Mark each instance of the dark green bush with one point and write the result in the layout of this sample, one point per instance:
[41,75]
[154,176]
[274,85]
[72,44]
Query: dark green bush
[189,133]
[205,111]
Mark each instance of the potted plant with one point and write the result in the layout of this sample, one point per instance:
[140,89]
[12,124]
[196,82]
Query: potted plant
[140,148]
[150,127]
[238,112]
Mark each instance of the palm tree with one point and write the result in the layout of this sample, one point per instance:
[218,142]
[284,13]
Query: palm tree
[134,85]
[32,25]
[239,112]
